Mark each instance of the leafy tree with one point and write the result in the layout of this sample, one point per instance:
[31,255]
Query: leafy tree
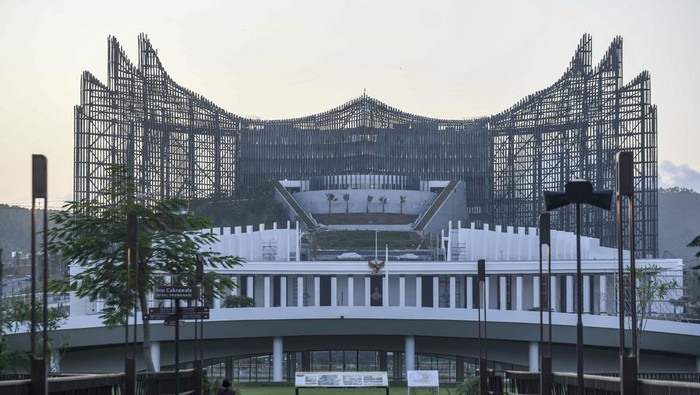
[16,315]
[695,243]
[346,197]
[369,200]
[652,286]
[331,198]
[402,200]
[382,200]
[92,234]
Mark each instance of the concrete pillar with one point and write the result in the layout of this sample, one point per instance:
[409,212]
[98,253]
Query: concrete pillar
[502,294]
[283,291]
[453,292]
[155,354]
[603,294]
[351,290]
[385,291]
[410,351]
[534,357]
[334,291]
[277,358]
[470,293]
[487,290]
[402,291]
[217,300]
[317,291]
[569,294]
[419,291]
[519,293]
[250,285]
[436,291]
[368,291]
[536,291]
[587,294]
[554,295]
[266,291]
[300,290]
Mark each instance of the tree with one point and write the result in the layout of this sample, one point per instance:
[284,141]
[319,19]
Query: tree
[346,197]
[651,287]
[369,200]
[402,200]
[382,200]
[331,198]
[92,234]
[16,315]
[695,243]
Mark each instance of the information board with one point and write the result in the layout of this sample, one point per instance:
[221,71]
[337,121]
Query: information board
[341,379]
[423,378]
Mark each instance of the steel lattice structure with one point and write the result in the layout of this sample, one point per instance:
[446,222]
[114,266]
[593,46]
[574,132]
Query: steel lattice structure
[178,143]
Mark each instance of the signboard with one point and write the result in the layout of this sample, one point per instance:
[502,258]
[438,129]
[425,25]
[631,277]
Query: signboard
[423,378]
[168,313]
[341,379]
[176,292]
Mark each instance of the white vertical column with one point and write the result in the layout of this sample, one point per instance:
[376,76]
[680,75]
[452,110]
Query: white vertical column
[453,292]
[569,294]
[283,291]
[368,291]
[351,290]
[217,300]
[487,290]
[300,290]
[587,294]
[236,290]
[334,291]
[502,292]
[155,354]
[554,300]
[436,291]
[410,352]
[519,293]
[536,292]
[317,291]
[470,291]
[603,294]
[419,291]
[534,360]
[385,291]
[250,284]
[277,358]
[266,291]
[402,291]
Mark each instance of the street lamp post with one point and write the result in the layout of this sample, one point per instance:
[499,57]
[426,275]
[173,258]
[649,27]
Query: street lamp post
[545,301]
[625,187]
[578,192]
[483,354]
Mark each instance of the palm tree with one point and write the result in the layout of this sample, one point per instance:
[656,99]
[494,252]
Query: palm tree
[346,197]
[331,198]
[402,200]
[382,200]
[369,200]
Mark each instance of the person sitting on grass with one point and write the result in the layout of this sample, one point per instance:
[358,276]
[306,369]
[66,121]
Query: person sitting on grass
[225,388]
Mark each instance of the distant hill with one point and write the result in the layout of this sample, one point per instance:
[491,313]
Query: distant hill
[15,231]
[679,222]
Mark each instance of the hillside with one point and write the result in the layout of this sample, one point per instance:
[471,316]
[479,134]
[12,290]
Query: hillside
[15,230]
[679,222]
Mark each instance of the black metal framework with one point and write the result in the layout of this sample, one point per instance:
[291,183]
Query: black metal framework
[177,143]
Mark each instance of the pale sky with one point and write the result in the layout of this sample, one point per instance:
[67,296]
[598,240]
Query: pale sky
[280,59]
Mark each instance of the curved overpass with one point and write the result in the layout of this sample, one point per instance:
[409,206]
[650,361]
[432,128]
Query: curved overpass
[512,336]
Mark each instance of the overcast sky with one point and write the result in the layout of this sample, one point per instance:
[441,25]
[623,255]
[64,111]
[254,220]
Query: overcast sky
[281,59]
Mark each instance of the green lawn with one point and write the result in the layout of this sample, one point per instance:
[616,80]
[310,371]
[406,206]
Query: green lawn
[271,389]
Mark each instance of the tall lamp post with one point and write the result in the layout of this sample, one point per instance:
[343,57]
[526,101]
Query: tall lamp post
[578,192]
[545,301]
[625,187]
[483,354]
